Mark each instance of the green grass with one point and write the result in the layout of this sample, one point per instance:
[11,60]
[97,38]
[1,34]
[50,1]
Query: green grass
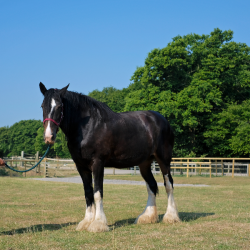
[44,215]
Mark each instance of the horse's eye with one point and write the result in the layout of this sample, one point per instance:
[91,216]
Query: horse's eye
[59,106]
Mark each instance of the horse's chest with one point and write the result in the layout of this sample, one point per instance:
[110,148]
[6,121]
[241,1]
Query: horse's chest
[87,153]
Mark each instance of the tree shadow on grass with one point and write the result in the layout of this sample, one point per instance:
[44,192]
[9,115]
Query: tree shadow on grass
[185,217]
[37,228]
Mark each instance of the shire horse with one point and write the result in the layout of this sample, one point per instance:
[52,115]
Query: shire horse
[98,137]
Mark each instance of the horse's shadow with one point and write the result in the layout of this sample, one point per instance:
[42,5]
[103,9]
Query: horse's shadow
[185,217]
[37,228]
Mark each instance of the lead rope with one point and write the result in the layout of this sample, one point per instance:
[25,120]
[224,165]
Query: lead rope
[23,171]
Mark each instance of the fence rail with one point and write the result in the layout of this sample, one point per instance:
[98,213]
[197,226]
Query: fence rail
[218,166]
[212,164]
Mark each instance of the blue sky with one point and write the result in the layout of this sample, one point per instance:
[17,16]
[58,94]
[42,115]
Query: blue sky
[94,44]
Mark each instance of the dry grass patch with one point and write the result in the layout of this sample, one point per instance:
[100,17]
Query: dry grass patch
[43,215]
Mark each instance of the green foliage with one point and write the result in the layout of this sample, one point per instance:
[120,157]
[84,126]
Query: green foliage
[191,82]
[4,146]
[200,83]
[19,137]
[111,96]
[39,142]
[60,147]
[27,136]
[230,131]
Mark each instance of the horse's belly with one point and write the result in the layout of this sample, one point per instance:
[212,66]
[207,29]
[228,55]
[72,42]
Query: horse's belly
[127,160]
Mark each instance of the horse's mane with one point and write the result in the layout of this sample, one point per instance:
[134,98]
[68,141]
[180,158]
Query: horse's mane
[79,101]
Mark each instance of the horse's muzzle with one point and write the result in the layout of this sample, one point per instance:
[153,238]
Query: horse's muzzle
[49,139]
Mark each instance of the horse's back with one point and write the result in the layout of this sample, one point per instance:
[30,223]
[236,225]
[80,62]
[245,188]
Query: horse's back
[150,121]
[136,137]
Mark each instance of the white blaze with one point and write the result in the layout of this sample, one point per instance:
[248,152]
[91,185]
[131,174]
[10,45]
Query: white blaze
[48,129]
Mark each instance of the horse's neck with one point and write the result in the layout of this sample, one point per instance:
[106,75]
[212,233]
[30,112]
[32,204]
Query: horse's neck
[71,125]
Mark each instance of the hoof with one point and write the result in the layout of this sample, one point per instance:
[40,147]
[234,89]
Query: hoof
[147,217]
[83,225]
[98,226]
[171,219]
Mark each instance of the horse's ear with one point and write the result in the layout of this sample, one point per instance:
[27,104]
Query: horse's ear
[63,91]
[42,88]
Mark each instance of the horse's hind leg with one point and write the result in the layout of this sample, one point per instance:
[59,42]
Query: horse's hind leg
[163,157]
[150,213]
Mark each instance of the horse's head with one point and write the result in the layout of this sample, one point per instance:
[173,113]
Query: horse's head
[52,111]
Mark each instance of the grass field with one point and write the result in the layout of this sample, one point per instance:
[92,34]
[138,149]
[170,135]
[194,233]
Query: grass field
[44,215]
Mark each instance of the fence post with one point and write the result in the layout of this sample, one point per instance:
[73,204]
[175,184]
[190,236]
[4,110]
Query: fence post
[45,167]
[233,168]
[154,168]
[248,170]
[210,165]
[187,167]
[22,156]
[216,166]
[57,166]
[181,167]
[222,168]
[113,171]
[134,170]
[172,168]
[25,168]
[37,159]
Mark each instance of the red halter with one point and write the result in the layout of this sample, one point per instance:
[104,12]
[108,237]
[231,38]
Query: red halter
[57,124]
[49,119]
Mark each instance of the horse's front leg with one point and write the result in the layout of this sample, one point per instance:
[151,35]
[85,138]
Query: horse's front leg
[100,222]
[89,196]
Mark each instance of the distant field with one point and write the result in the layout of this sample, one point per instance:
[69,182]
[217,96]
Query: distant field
[182,179]
[43,215]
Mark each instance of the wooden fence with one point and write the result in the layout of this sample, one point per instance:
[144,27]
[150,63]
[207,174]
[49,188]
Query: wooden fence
[48,166]
[216,166]
[211,164]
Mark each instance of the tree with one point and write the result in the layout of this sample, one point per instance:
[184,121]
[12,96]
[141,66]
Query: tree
[19,137]
[60,146]
[190,81]
[39,142]
[230,131]
[200,83]
[4,145]
[111,96]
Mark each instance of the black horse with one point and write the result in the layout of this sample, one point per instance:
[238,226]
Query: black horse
[98,137]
